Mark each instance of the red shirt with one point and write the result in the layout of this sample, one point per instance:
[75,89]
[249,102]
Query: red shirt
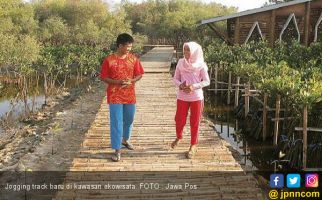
[117,68]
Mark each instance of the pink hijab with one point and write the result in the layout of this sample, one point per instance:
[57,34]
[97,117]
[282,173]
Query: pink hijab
[196,61]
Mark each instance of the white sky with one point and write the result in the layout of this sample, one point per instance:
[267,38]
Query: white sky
[240,4]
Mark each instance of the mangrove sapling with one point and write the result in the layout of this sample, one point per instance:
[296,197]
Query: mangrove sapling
[45,88]
[54,131]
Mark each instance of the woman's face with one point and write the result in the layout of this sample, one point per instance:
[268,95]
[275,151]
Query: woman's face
[186,52]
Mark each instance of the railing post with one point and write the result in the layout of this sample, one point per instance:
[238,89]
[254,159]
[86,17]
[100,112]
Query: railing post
[216,79]
[265,117]
[247,95]
[304,137]
[237,92]
[229,87]
[276,122]
[210,72]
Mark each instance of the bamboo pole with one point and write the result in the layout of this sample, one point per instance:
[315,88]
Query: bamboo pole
[276,123]
[228,131]
[210,72]
[265,117]
[309,129]
[45,88]
[222,77]
[237,92]
[247,95]
[216,79]
[229,87]
[304,137]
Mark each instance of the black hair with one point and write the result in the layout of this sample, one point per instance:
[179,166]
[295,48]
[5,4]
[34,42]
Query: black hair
[124,38]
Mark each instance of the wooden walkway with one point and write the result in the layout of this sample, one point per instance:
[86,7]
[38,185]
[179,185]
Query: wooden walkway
[214,169]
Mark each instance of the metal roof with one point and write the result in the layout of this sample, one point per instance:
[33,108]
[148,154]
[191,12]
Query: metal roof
[252,11]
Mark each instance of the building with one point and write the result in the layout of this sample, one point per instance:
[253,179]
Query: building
[298,19]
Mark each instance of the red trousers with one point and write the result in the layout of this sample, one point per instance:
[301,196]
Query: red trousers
[196,108]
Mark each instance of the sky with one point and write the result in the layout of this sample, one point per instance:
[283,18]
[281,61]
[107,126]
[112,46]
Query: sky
[240,4]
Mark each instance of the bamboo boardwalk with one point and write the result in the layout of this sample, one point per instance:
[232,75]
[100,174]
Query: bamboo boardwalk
[214,170]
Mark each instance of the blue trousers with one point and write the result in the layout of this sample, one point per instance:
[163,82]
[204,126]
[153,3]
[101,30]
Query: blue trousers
[121,123]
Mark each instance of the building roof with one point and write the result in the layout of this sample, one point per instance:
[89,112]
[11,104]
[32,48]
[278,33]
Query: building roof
[252,11]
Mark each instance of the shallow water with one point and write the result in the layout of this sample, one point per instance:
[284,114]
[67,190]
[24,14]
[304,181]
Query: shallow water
[256,155]
[17,108]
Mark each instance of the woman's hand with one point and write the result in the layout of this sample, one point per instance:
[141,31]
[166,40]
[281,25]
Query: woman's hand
[182,86]
[188,89]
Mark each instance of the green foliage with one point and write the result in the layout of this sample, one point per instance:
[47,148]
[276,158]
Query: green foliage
[16,17]
[7,45]
[290,70]
[177,19]
[20,53]
[79,22]
[295,54]
[219,53]
[262,54]
[27,52]
[311,90]
[315,51]
[280,79]
[70,59]
[60,37]
[139,41]
[54,31]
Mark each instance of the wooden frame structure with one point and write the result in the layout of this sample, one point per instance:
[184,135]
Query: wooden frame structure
[316,28]
[255,25]
[289,19]
[271,22]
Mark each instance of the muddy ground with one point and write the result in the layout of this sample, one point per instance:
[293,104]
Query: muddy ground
[49,140]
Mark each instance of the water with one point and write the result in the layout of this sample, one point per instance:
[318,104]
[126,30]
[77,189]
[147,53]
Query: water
[256,155]
[18,108]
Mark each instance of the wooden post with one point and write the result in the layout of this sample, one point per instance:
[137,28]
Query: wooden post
[237,92]
[228,131]
[237,31]
[277,116]
[229,87]
[304,137]
[265,117]
[272,28]
[221,127]
[216,79]
[307,23]
[236,125]
[222,78]
[45,88]
[247,95]
[210,73]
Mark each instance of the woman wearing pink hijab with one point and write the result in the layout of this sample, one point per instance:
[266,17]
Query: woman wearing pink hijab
[190,77]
